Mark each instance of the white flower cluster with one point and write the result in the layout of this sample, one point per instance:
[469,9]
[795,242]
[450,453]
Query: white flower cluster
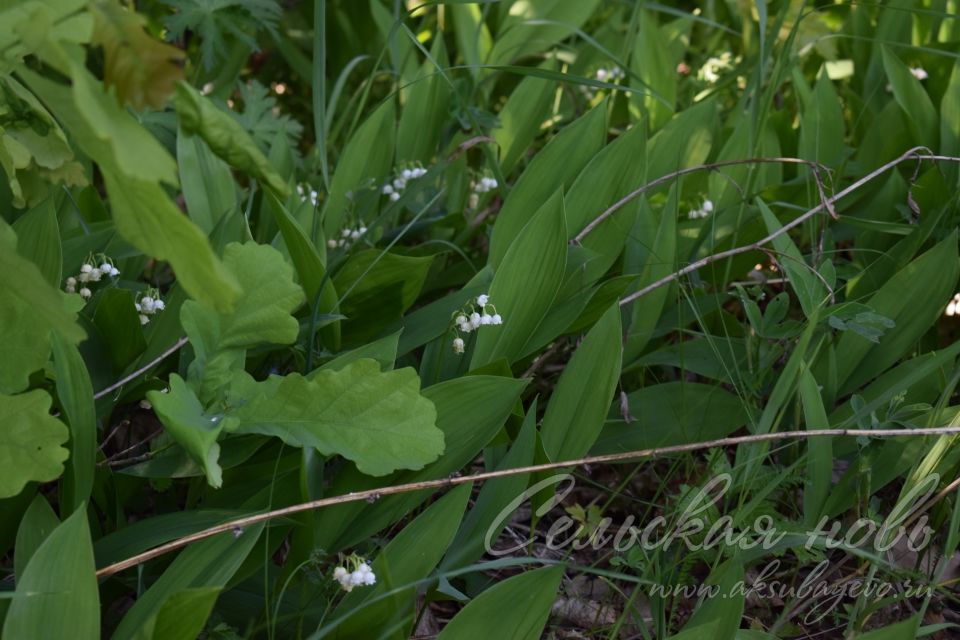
[953,308]
[394,188]
[713,68]
[361,575]
[347,237]
[149,304]
[478,188]
[705,210]
[612,74]
[473,316]
[919,73]
[90,272]
[307,192]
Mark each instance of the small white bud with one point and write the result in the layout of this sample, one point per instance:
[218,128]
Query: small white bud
[86,268]
[399,183]
[345,233]
[145,404]
[486,319]
[339,573]
[707,206]
[85,293]
[497,319]
[458,345]
[144,319]
[602,75]
[114,272]
[475,319]
[159,305]
[71,281]
[394,196]
[474,201]
[106,267]
[461,319]
[332,243]
[369,578]
[84,276]
[137,305]
[362,230]
[387,189]
[483,299]
[355,235]
[406,174]
[95,275]
[70,288]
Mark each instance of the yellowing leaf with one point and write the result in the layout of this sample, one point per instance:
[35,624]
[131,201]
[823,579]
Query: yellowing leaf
[143,70]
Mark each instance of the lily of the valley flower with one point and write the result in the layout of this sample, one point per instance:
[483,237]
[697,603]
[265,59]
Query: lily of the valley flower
[705,210]
[90,271]
[472,316]
[149,304]
[358,574]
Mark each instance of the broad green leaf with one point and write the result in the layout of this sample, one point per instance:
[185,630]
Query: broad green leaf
[418,133]
[470,412]
[367,157]
[377,419]
[30,441]
[226,137]
[906,630]
[142,69]
[515,609]
[485,521]
[37,524]
[378,287]
[383,351]
[261,315]
[819,450]
[149,220]
[721,614]
[75,394]
[950,120]
[116,316]
[683,142]
[671,413]
[196,431]
[310,269]
[614,172]
[182,615]
[208,186]
[208,563]
[29,309]
[810,289]
[410,556]
[57,594]
[38,240]
[531,27]
[525,284]
[661,258]
[473,36]
[520,119]
[581,399]
[32,146]
[656,67]
[554,167]
[913,308]
[912,98]
[821,124]
[744,142]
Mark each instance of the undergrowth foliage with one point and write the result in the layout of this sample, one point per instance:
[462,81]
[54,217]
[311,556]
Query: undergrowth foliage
[258,254]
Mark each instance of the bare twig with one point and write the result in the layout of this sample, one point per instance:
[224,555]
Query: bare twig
[699,264]
[150,365]
[627,456]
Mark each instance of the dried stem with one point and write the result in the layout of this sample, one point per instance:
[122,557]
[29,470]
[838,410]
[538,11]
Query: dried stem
[755,246]
[374,494]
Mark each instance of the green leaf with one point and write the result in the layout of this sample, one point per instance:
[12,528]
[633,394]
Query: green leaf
[427,102]
[950,120]
[226,137]
[377,419]
[116,316]
[537,26]
[514,609]
[819,478]
[30,440]
[367,157]
[75,393]
[184,419]
[914,309]
[57,594]
[143,70]
[672,413]
[378,288]
[821,123]
[261,315]
[473,36]
[554,167]
[182,615]
[810,289]
[37,524]
[149,220]
[581,399]
[410,556]
[525,284]
[208,186]
[470,411]
[721,615]
[906,630]
[38,240]
[485,521]
[912,98]
[208,563]
[656,67]
[520,119]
